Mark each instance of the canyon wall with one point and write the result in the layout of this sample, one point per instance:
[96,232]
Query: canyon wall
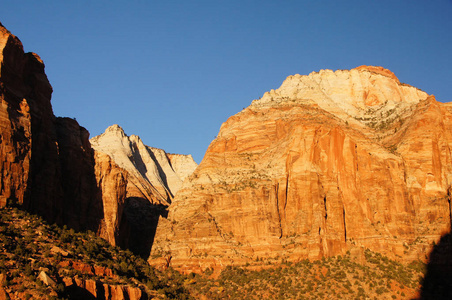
[137,184]
[49,167]
[328,163]
[38,150]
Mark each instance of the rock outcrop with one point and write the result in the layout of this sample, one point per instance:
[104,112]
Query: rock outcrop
[329,162]
[154,174]
[112,182]
[79,288]
[137,183]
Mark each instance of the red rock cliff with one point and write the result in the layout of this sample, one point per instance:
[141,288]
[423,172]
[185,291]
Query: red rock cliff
[38,150]
[329,162]
[49,167]
[15,120]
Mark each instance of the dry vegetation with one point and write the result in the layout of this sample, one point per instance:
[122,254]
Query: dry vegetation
[29,246]
[377,277]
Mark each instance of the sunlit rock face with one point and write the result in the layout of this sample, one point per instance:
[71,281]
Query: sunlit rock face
[154,174]
[329,162]
[15,114]
[137,183]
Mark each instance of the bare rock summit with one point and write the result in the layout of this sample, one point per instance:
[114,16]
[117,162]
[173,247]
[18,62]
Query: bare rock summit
[156,174]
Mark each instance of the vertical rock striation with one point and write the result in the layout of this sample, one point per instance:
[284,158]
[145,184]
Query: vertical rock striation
[38,150]
[329,162]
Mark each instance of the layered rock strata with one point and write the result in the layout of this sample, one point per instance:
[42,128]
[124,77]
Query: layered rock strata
[329,162]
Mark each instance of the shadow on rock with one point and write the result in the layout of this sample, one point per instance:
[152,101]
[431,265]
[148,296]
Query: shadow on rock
[437,283]
[78,293]
[139,224]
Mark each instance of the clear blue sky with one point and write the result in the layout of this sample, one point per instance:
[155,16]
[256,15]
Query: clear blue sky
[173,71]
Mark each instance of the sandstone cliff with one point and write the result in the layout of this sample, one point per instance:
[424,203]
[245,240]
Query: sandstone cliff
[183,166]
[38,150]
[137,183]
[15,118]
[49,167]
[329,162]
[154,174]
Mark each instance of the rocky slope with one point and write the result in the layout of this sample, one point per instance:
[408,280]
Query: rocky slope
[329,162]
[40,261]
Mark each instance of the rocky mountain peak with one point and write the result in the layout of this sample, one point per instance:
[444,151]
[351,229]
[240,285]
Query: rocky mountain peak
[151,166]
[378,70]
[329,162]
[344,91]
[112,134]
[115,128]
[366,96]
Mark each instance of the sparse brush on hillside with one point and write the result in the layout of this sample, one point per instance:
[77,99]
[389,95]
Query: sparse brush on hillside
[30,246]
[341,277]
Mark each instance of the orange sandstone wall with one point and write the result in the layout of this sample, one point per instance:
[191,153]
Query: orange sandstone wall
[308,171]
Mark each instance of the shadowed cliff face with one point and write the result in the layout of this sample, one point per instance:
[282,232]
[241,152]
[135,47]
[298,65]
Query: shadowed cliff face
[437,283]
[140,223]
[38,151]
[82,209]
[327,163]
[48,167]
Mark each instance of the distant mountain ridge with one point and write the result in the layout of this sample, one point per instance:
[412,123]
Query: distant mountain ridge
[157,173]
[138,183]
